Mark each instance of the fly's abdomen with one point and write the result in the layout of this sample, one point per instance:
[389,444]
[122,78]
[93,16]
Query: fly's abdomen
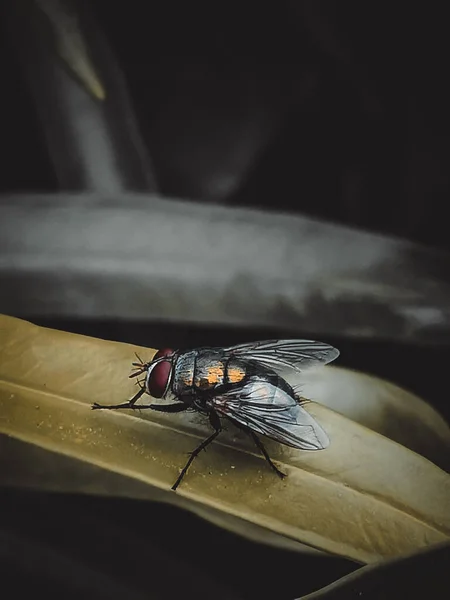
[216,373]
[235,372]
[209,371]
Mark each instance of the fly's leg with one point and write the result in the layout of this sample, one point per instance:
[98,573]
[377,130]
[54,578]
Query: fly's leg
[129,404]
[261,447]
[167,408]
[215,423]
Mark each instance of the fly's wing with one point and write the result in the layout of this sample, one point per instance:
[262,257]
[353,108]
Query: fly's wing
[270,411]
[279,355]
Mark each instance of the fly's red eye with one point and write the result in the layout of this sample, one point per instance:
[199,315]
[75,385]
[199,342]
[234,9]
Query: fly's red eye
[160,374]
[163,352]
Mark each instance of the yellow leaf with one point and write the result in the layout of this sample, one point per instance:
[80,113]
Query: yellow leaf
[380,406]
[366,497]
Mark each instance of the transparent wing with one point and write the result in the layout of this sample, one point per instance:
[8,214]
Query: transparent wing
[279,355]
[269,410]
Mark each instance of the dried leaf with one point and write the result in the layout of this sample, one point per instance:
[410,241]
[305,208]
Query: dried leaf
[366,497]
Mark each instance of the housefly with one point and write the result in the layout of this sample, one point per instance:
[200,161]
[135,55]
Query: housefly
[243,384]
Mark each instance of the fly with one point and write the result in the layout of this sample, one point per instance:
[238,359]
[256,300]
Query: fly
[243,384]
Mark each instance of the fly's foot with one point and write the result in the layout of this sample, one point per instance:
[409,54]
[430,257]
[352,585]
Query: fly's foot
[280,474]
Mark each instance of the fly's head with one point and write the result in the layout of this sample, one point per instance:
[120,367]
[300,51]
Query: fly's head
[158,372]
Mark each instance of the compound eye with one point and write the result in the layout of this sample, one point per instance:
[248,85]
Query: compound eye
[160,374]
[163,352]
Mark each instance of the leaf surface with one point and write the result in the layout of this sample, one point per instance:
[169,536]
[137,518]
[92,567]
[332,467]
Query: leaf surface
[366,497]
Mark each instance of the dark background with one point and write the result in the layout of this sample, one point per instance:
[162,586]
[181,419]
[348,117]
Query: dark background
[334,110]
[344,105]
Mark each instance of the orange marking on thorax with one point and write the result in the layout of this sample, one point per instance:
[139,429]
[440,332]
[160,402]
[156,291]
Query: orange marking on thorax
[187,377]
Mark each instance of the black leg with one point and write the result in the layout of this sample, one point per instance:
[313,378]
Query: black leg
[261,447]
[167,408]
[215,422]
[129,404]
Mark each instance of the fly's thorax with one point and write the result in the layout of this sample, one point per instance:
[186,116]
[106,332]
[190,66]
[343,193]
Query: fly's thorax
[183,378]
[209,370]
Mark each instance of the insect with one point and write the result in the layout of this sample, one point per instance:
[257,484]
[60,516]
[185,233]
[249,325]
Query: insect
[243,384]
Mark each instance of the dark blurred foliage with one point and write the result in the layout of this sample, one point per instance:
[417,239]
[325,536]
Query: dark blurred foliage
[335,110]
[339,111]
[147,550]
